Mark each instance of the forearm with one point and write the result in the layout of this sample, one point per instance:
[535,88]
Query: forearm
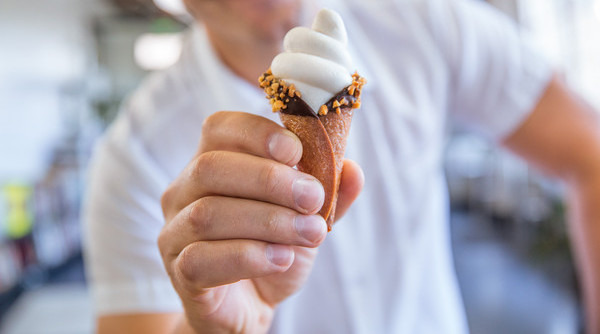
[562,137]
[149,323]
[584,218]
[183,326]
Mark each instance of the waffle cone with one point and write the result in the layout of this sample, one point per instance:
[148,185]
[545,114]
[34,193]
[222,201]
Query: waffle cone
[324,143]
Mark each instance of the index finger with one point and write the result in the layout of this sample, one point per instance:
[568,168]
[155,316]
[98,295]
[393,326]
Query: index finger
[251,134]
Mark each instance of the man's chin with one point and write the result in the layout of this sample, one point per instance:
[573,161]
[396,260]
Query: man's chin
[273,18]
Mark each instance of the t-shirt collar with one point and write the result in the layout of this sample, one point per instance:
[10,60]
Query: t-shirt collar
[230,91]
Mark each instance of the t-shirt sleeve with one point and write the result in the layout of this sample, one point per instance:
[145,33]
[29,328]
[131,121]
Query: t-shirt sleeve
[122,219]
[496,77]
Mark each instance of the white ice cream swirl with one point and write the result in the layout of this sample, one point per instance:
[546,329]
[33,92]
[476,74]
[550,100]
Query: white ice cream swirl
[316,60]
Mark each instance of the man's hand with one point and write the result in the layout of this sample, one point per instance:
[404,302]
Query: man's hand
[241,226]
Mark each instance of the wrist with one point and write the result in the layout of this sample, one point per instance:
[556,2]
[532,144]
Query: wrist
[183,326]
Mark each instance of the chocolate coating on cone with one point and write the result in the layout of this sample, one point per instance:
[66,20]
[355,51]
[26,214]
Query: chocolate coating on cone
[298,107]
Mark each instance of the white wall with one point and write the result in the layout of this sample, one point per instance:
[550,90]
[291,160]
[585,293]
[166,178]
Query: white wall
[45,48]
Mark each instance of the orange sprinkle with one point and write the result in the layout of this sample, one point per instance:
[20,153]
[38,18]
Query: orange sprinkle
[277,105]
[292,90]
[323,110]
[351,90]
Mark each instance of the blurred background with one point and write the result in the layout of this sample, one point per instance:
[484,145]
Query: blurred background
[65,67]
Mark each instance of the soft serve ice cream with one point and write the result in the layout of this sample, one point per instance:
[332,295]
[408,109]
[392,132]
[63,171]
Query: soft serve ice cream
[311,86]
[316,67]
[316,60]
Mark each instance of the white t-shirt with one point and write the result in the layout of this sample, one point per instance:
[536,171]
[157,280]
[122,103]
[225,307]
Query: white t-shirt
[387,266]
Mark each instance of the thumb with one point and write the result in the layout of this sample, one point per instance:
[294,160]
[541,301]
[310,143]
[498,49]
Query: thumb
[351,184]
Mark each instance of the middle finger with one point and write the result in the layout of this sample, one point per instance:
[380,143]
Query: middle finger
[223,218]
[241,175]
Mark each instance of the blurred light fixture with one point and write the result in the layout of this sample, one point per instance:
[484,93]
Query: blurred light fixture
[174,7]
[157,51]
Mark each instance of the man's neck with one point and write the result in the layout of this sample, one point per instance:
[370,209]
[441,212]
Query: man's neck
[246,59]
[248,48]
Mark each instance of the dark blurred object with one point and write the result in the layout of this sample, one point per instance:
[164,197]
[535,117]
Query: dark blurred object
[518,210]
[143,8]
[525,208]
[42,247]
[68,274]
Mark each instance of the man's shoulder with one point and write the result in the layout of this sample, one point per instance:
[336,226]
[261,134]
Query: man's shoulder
[163,97]
[160,119]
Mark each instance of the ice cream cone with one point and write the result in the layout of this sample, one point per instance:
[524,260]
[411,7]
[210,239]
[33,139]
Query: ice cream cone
[310,85]
[323,134]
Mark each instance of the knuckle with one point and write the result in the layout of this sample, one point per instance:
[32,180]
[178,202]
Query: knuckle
[204,164]
[186,264]
[162,243]
[272,223]
[241,257]
[201,216]
[270,178]
[211,122]
[166,199]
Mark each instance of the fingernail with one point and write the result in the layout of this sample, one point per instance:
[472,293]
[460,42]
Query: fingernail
[282,147]
[311,228]
[308,194]
[279,255]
